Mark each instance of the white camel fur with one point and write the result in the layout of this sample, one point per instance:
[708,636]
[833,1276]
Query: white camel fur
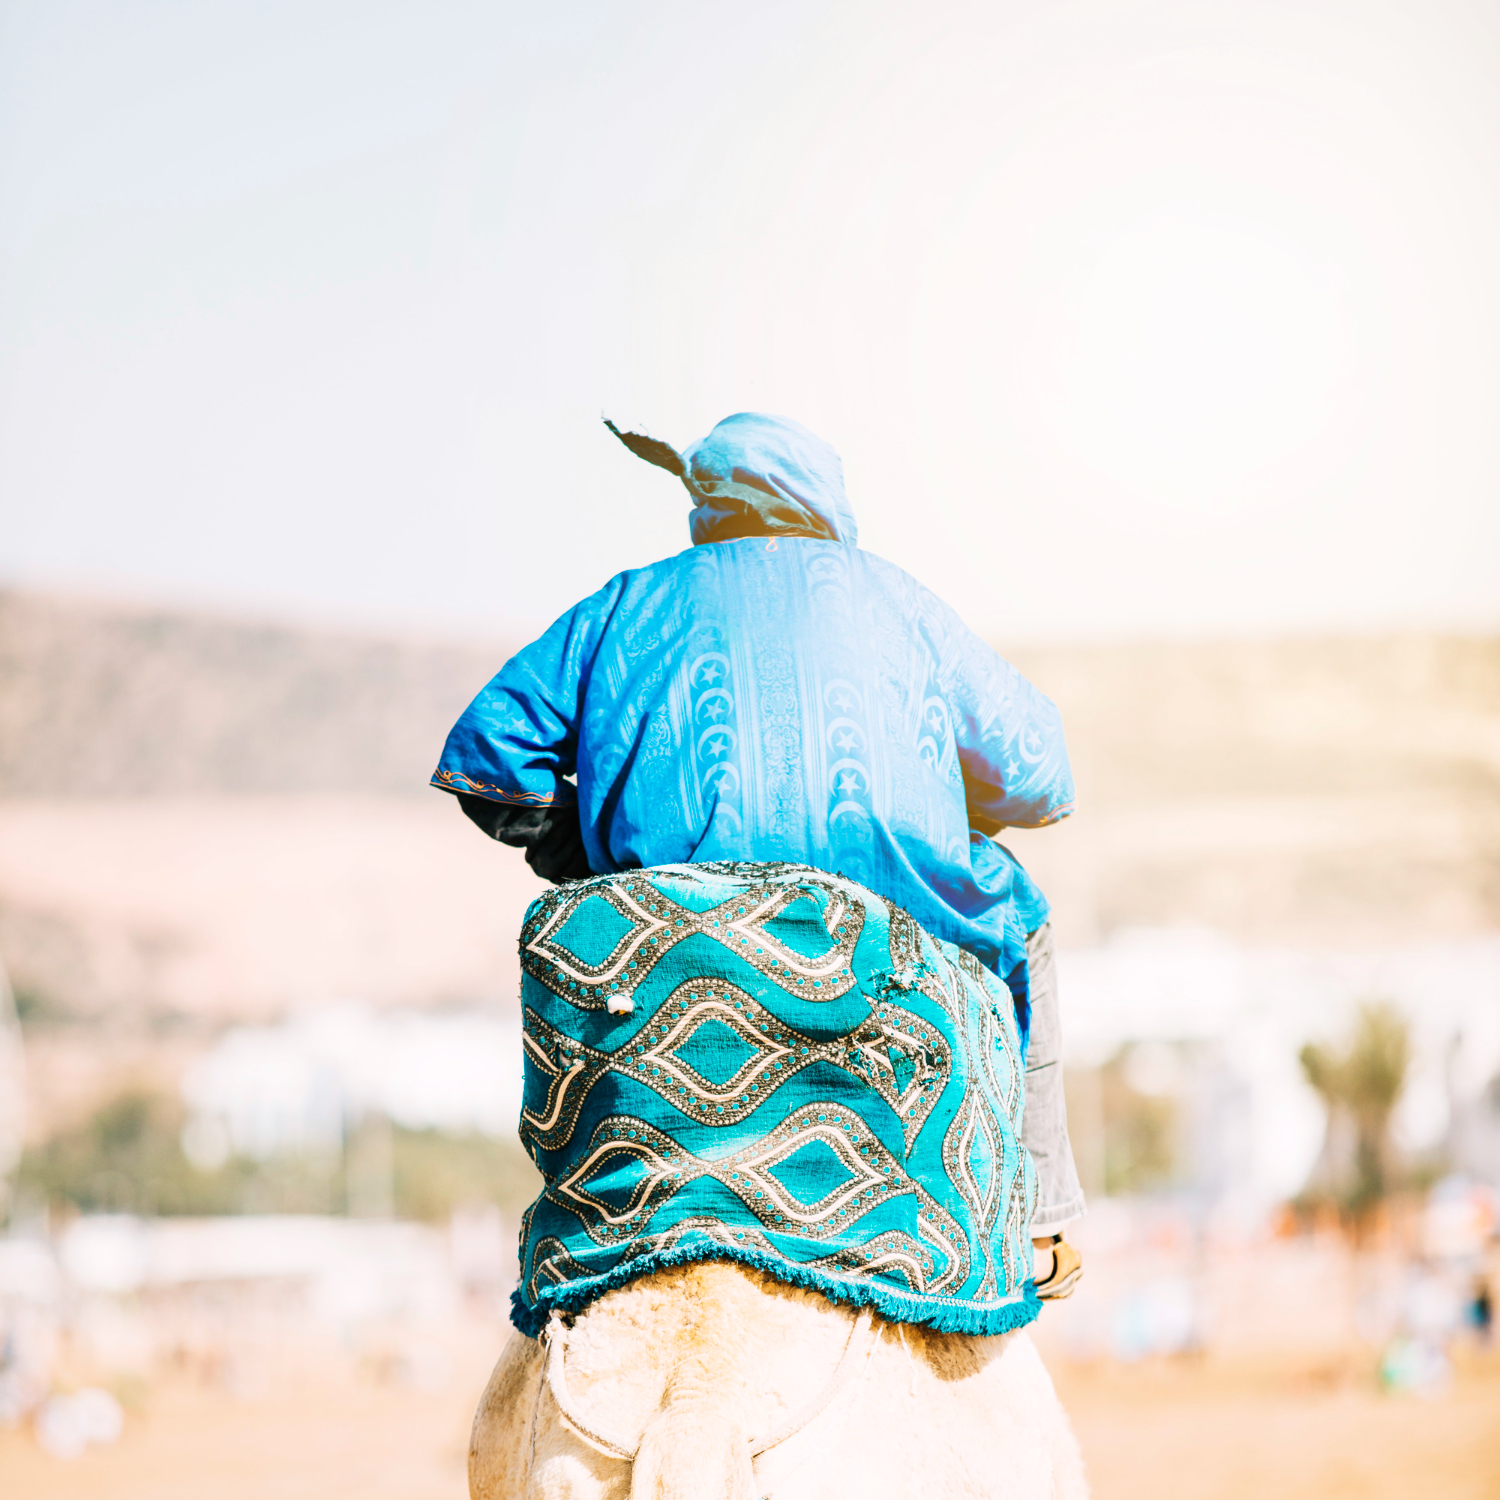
[695,1367]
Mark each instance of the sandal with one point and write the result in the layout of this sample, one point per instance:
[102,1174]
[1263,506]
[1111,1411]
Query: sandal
[1067,1268]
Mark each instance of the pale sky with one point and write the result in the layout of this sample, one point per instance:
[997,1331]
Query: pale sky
[1128,317]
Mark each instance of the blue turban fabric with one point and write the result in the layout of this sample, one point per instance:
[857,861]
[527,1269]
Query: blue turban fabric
[777,694]
[771,470]
[756,475]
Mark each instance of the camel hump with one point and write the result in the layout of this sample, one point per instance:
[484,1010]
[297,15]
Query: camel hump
[698,1443]
[692,1449]
[710,1381]
[717,1413]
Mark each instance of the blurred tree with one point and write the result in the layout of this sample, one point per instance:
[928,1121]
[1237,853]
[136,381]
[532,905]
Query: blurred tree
[12,1088]
[434,1173]
[127,1157]
[1141,1121]
[1360,1087]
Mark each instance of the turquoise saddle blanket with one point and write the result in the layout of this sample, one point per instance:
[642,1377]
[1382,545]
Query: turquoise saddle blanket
[772,1065]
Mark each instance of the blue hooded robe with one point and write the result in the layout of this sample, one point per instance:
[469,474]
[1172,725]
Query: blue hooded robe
[775,693]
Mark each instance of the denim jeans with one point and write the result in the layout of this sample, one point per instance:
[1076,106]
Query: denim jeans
[1044,1128]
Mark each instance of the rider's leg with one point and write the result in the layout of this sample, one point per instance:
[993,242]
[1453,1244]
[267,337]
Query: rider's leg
[1044,1128]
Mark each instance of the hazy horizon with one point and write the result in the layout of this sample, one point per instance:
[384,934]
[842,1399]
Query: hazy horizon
[336,622]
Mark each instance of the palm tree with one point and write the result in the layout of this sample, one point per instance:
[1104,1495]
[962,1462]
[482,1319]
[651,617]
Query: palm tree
[1360,1087]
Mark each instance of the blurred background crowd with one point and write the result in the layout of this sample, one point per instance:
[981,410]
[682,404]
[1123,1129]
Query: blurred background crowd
[1159,339]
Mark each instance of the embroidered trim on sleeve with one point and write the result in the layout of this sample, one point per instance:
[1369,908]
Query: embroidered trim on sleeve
[456,781]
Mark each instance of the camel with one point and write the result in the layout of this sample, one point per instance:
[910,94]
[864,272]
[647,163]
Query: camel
[712,1381]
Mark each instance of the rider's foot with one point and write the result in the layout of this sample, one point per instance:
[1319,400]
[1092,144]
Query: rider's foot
[1056,1266]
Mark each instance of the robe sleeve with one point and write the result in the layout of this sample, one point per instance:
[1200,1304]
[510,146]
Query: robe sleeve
[517,742]
[1010,744]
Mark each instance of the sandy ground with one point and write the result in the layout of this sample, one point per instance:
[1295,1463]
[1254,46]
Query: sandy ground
[338,1429]
[1160,1431]
[1179,1428]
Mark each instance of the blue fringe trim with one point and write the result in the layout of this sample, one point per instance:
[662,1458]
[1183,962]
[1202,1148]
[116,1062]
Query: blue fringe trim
[893,1305]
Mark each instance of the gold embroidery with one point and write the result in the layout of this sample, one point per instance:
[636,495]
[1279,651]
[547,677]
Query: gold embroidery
[456,781]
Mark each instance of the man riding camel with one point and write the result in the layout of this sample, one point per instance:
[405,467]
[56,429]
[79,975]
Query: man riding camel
[773,698]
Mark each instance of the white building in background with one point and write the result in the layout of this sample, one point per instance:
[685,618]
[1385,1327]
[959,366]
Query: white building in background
[236,1295]
[1256,1125]
[296,1085]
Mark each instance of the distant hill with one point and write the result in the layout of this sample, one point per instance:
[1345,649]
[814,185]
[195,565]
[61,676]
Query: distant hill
[1316,791]
[109,701]
[1380,715]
